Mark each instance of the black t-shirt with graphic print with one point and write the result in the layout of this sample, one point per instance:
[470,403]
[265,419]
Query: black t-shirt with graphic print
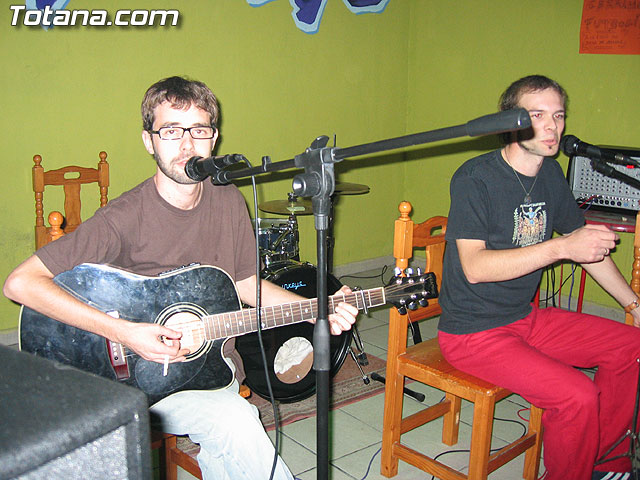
[487,203]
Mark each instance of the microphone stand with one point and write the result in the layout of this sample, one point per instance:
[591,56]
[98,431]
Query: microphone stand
[318,182]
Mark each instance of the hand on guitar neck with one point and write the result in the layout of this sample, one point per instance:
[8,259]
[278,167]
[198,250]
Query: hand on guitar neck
[341,318]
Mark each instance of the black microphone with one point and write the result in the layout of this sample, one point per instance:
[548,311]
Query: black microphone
[199,168]
[516,119]
[571,145]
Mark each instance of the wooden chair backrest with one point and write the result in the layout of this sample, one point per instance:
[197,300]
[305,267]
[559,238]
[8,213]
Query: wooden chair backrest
[409,236]
[429,235]
[71,178]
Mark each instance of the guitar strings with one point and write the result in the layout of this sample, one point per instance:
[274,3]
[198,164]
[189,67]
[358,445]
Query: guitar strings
[236,321]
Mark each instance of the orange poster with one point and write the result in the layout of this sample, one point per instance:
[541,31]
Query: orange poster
[610,27]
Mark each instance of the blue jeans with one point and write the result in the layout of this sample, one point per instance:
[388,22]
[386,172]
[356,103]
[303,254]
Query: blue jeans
[233,442]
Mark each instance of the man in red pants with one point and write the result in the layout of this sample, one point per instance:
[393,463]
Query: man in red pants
[505,206]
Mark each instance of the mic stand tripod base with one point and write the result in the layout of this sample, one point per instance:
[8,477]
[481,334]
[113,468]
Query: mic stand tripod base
[413,394]
[632,434]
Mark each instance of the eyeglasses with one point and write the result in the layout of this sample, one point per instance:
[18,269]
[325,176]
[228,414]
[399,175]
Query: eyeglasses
[176,133]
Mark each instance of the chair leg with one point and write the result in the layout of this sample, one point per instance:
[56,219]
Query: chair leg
[451,425]
[532,455]
[171,469]
[482,430]
[392,424]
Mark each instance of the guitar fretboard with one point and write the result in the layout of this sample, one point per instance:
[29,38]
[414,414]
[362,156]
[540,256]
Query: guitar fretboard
[232,324]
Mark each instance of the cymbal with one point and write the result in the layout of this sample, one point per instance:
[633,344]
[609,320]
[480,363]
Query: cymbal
[350,188]
[292,206]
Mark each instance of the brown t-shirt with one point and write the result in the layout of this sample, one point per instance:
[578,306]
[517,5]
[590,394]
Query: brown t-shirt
[142,233]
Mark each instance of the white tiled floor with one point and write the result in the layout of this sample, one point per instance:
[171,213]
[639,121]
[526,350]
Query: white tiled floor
[356,429]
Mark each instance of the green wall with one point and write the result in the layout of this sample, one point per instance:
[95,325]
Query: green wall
[463,55]
[420,65]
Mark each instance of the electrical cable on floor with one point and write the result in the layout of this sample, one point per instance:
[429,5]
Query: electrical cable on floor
[490,451]
[464,450]
[370,463]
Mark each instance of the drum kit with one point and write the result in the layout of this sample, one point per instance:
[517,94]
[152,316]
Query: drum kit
[289,349]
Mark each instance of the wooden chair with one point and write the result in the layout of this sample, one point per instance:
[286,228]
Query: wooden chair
[635,269]
[424,363]
[178,451]
[71,179]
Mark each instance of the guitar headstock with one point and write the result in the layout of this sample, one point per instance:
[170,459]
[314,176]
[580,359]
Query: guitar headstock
[411,291]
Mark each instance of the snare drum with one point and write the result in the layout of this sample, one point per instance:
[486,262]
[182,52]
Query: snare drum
[289,349]
[278,239]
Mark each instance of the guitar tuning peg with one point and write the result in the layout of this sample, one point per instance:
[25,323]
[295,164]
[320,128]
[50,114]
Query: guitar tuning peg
[402,310]
[423,302]
[412,306]
[397,271]
[418,271]
[408,271]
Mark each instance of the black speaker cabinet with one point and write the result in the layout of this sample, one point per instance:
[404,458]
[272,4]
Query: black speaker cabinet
[57,422]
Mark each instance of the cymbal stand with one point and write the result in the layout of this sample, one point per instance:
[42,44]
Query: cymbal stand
[361,358]
[365,378]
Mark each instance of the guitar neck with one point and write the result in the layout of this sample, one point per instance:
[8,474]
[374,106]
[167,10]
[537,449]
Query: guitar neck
[231,324]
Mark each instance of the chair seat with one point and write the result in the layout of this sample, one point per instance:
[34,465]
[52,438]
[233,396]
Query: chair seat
[425,361]
[187,447]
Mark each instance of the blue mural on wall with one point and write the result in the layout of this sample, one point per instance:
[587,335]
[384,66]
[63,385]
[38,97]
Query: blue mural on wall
[307,14]
[41,4]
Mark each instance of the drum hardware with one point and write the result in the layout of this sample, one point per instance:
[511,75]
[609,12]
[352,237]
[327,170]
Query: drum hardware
[417,395]
[365,378]
[299,380]
[343,188]
[294,205]
[278,239]
[415,333]
[361,357]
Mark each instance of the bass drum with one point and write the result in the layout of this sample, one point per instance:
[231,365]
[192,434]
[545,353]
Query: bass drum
[289,349]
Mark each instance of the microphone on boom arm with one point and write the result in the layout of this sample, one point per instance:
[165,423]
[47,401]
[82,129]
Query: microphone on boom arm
[199,168]
[571,146]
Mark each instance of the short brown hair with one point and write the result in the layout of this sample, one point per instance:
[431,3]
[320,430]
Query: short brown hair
[532,83]
[180,93]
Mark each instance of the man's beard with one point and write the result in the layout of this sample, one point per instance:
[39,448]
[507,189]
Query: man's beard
[176,175]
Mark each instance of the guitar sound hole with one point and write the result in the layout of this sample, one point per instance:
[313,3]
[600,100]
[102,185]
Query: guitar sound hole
[186,318]
[293,360]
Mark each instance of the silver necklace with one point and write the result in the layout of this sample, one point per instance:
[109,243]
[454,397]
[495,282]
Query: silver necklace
[527,195]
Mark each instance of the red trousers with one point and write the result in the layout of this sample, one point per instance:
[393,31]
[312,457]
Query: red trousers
[534,357]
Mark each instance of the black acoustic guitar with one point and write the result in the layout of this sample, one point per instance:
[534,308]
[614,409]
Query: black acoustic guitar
[200,301]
